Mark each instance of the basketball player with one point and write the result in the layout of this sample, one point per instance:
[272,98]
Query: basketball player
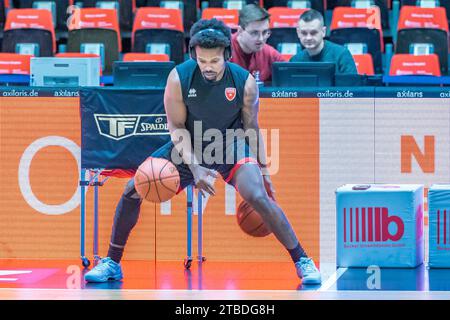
[211,93]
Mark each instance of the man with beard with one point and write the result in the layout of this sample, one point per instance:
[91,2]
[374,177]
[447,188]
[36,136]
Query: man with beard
[311,32]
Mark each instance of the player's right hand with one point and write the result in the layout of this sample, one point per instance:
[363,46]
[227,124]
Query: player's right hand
[202,180]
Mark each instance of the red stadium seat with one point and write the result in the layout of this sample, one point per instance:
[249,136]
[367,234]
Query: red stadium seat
[155,26]
[14,63]
[26,25]
[133,56]
[429,26]
[236,4]
[417,17]
[364,64]
[281,17]
[283,23]
[348,17]
[93,18]
[408,64]
[229,16]
[318,5]
[59,11]
[189,8]
[96,26]
[359,25]
[125,8]
[158,18]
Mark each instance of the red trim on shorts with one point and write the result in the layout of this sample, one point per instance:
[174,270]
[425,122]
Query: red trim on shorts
[238,165]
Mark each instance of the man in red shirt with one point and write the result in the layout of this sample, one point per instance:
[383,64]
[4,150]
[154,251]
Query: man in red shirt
[249,48]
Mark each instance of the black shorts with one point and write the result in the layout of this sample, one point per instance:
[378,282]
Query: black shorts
[239,151]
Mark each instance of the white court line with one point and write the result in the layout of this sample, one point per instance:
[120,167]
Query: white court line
[9,279]
[332,279]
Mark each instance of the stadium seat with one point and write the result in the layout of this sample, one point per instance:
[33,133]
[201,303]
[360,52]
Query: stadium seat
[159,30]
[14,63]
[189,9]
[409,64]
[364,64]
[318,5]
[359,26]
[125,8]
[232,4]
[139,56]
[229,16]
[381,4]
[57,7]
[428,4]
[424,26]
[29,31]
[283,24]
[93,30]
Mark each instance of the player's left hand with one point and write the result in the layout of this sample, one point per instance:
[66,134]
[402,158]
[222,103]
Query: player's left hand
[269,187]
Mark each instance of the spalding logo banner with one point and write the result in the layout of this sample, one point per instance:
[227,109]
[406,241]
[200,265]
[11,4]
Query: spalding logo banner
[110,117]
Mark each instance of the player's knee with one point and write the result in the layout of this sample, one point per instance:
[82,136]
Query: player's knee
[130,190]
[260,201]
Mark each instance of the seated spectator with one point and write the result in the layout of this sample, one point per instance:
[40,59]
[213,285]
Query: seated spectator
[249,47]
[311,32]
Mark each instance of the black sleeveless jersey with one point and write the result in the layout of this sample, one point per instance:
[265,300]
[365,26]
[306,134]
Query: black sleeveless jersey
[216,104]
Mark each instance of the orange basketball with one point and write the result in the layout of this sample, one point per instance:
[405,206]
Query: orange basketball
[157,180]
[250,221]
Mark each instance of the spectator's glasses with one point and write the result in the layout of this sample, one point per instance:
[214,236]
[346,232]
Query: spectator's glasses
[255,34]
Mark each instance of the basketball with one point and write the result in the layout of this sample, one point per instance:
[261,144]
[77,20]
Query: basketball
[250,221]
[157,180]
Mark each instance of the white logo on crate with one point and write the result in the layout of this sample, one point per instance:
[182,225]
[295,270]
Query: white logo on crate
[118,127]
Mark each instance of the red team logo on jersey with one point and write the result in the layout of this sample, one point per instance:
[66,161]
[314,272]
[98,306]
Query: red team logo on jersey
[230,93]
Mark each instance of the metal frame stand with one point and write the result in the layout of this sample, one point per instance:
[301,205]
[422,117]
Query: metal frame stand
[84,184]
[190,201]
[96,182]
